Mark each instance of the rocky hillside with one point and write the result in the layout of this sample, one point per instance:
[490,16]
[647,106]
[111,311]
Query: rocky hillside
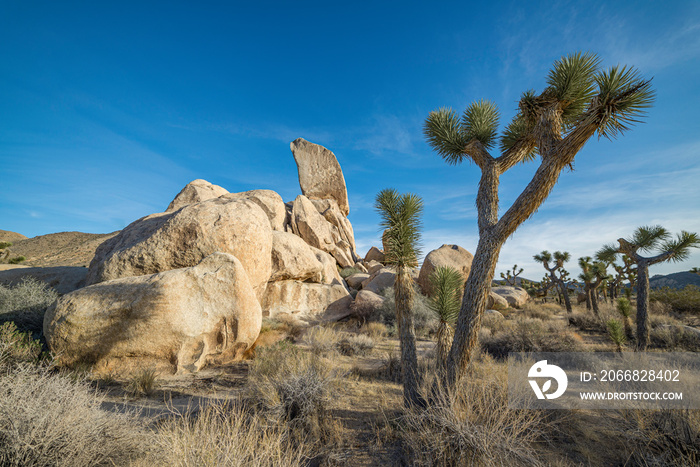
[57,249]
[676,280]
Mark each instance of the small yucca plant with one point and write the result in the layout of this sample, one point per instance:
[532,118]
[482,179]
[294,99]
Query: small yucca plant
[446,284]
[617,335]
[624,307]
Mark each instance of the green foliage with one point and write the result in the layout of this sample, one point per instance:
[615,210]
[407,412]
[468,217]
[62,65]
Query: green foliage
[480,122]
[347,272]
[571,81]
[16,260]
[4,245]
[648,237]
[25,304]
[623,97]
[17,347]
[686,300]
[681,245]
[446,286]
[516,131]
[444,133]
[401,223]
[624,307]
[616,333]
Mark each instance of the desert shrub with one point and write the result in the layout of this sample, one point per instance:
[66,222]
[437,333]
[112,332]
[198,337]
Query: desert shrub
[661,437]
[674,338]
[686,300]
[473,425]
[543,311]
[424,318]
[293,387]
[322,339]
[25,304]
[356,344]
[143,382]
[347,272]
[530,335]
[616,333]
[226,433]
[47,419]
[374,330]
[17,347]
[586,320]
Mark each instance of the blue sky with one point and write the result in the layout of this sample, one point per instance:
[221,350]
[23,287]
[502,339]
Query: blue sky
[107,109]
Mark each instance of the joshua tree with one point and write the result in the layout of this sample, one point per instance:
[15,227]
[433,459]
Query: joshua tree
[579,101]
[401,224]
[625,272]
[593,276]
[510,278]
[560,258]
[446,285]
[649,239]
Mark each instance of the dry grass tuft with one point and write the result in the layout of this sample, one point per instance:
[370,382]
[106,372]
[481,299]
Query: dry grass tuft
[225,434]
[473,425]
[322,340]
[16,347]
[356,344]
[374,330]
[143,382]
[25,304]
[530,335]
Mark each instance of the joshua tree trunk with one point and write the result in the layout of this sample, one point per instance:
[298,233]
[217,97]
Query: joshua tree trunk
[442,351]
[642,305]
[565,294]
[407,338]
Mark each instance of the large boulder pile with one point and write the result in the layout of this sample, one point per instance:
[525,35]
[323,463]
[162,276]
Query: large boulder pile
[182,288]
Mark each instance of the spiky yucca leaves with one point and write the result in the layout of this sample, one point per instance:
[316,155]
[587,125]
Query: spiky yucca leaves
[446,284]
[623,98]
[401,224]
[649,239]
[617,335]
[624,307]
[578,101]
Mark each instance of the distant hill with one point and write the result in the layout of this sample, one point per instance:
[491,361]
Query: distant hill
[7,236]
[58,249]
[676,280]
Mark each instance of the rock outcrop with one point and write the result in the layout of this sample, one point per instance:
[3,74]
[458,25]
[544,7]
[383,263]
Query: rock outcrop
[269,201]
[165,241]
[320,176]
[374,254]
[453,256]
[306,301]
[176,321]
[195,192]
[515,296]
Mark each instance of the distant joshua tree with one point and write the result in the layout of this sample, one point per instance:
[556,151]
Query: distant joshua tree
[579,101]
[510,278]
[593,275]
[650,239]
[401,223]
[559,259]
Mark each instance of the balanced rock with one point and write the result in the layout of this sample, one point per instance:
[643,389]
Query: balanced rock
[269,201]
[183,238]
[315,230]
[195,192]
[175,321]
[320,176]
[453,256]
[515,296]
[374,254]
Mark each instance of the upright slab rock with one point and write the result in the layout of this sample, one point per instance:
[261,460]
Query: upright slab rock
[174,321]
[453,256]
[195,192]
[320,175]
[165,241]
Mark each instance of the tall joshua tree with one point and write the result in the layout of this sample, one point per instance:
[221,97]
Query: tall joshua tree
[649,239]
[579,100]
[401,224]
[559,259]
